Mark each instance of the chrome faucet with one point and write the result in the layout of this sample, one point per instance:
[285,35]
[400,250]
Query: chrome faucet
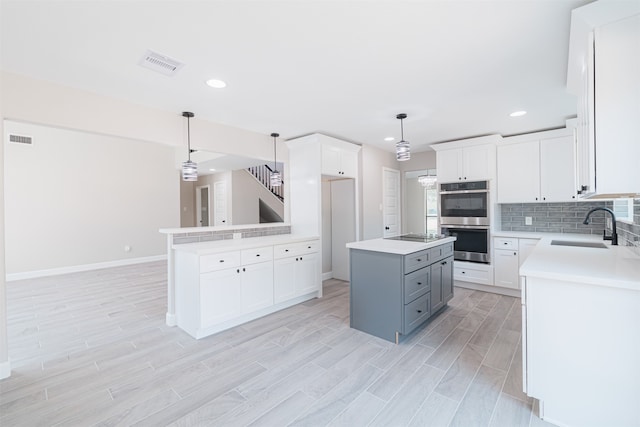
[614,233]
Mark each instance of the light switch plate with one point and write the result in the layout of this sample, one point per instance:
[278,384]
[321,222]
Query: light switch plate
[528,220]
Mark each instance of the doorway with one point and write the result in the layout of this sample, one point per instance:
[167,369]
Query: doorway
[202,206]
[390,202]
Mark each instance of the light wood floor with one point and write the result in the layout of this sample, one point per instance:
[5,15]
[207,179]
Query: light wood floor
[92,348]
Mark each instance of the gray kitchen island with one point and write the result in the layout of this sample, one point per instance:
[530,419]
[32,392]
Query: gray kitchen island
[397,284]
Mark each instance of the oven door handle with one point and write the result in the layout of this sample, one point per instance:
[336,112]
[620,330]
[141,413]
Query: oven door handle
[465,192]
[477,227]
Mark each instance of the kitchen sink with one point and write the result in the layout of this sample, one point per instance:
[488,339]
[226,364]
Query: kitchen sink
[579,244]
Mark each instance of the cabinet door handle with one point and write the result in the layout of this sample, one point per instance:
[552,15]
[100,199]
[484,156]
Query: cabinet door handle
[463,272]
[244,269]
[505,243]
[308,247]
[221,260]
[444,262]
[238,271]
[419,260]
[419,283]
[257,254]
[300,258]
[286,250]
[419,311]
[515,253]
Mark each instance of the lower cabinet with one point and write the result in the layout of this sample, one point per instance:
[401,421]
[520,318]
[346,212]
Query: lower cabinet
[392,294]
[217,291]
[508,255]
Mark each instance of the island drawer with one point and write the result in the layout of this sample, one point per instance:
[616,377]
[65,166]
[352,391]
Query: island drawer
[253,256]
[416,284]
[416,260]
[416,312]
[440,252]
[219,261]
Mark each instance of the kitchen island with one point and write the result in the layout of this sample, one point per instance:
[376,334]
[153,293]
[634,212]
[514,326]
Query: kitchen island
[397,285]
[581,331]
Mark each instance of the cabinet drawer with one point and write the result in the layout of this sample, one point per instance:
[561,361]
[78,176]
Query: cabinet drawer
[416,284]
[252,256]
[440,252]
[470,275]
[219,261]
[294,249]
[416,312]
[416,260]
[505,243]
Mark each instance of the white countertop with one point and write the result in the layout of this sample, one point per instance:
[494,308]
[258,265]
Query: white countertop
[228,245]
[399,247]
[615,266]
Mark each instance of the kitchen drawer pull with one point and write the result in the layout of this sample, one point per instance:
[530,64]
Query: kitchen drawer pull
[286,250]
[419,260]
[221,260]
[419,311]
[257,254]
[419,283]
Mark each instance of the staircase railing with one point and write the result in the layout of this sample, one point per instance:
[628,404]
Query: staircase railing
[263,174]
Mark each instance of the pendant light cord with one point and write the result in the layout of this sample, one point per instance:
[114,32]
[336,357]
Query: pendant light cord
[189,137]
[401,130]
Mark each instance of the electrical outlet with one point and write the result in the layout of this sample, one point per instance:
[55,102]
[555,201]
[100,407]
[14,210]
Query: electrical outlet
[528,220]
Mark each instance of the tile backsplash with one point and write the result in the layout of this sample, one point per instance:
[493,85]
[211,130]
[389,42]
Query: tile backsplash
[208,236]
[567,218]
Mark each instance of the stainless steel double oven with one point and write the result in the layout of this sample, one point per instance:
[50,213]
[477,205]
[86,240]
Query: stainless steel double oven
[464,211]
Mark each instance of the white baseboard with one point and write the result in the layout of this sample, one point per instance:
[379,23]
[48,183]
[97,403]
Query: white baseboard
[485,288]
[84,267]
[5,369]
[328,275]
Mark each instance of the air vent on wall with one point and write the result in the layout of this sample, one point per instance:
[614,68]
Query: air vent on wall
[160,63]
[20,139]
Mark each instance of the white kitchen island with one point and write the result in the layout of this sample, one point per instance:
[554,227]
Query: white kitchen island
[221,284]
[581,333]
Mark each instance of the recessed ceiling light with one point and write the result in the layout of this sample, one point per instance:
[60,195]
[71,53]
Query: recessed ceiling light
[518,113]
[215,83]
[389,138]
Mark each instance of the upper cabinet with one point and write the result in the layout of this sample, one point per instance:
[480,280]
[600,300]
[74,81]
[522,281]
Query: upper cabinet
[537,167]
[339,159]
[467,160]
[604,73]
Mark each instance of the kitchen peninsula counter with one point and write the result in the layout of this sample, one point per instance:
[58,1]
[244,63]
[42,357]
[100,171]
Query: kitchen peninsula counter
[580,329]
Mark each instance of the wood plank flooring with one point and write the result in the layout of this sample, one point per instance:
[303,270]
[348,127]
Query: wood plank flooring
[92,348]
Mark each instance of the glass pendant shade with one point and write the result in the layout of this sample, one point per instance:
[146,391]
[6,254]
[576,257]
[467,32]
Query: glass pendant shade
[189,171]
[427,181]
[276,179]
[403,151]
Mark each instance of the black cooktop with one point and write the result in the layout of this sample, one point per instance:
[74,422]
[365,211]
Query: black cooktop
[422,238]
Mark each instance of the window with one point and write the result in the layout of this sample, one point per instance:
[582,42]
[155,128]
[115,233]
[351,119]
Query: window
[623,209]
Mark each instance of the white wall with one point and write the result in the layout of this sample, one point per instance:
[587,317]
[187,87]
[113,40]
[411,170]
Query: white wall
[373,159]
[5,368]
[74,198]
[187,201]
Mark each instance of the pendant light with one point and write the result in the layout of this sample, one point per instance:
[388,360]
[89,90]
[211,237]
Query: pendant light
[276,178]
[402,147]
[189,168]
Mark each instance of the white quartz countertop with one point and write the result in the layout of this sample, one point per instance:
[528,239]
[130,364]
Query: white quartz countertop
[228,245]
[400,247]
[615,266]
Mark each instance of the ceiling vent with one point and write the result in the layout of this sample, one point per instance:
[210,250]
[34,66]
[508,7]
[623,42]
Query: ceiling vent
[160,63]
[20,139]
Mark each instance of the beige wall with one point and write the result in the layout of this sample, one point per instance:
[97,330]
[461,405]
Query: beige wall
[373,160]
[187,201]
[247,192]
[76,198]
[5,369]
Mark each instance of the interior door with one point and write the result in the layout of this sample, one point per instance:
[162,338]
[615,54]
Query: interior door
[220,203]
[202,206]
[390,202]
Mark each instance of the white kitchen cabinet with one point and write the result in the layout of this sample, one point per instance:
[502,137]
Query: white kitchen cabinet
[468,163]
[295,270]
[216,291]
[473,272]
[220,298]
[508,255]
[257,286]
[604,74]
[538,167]
[339,160]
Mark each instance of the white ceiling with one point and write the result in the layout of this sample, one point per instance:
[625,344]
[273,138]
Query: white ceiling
[343,68]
